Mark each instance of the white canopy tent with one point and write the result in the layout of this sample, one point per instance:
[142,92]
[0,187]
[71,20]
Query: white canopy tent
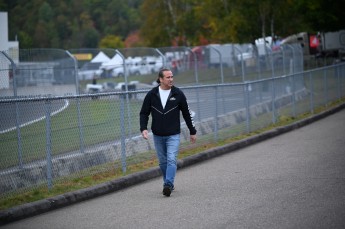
[100,58]
[114,62]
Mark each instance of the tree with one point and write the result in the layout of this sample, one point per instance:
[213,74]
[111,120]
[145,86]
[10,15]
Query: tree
[89,35]
[166,22]
[90,38]
[119,19]
[225,21]
[133,40]
[156,28]
[45,31]
[3,5]
[321,15]
[70,23]
[25,40]
[80,23]
[111,41]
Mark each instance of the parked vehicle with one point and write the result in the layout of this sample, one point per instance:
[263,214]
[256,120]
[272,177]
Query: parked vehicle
[153,63]
[104,87]
[136,66]
[89,70]
[248,56]
[219,53]
[258,52]
[332,44]
[309,42]
[323,44]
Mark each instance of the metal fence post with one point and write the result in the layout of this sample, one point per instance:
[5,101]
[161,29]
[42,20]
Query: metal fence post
[221,69]
[216,114]
[80,127]
[195,65]
[283,57]
[14,68]
[223,99]
[311,93]
[246,102]
[80,123]
[161,55]
[325,86]
[75,71]
[242,63]
[123,132]
[234,59]
[48,144]
[272,61]
[221,63]
[337,70]
[127,95]
[342,79]
[342,76]
[274,118]
[293,96]
[196,81]
[19,136]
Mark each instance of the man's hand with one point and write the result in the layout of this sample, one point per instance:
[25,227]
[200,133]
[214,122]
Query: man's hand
[145,134]
[193,138]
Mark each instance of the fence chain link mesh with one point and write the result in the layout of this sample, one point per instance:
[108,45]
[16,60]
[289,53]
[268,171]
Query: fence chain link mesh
[67,114]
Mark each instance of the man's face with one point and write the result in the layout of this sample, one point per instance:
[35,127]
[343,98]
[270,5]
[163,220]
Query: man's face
[167,80]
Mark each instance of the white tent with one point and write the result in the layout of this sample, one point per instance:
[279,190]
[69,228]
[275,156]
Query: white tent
[100,58]
[114,62]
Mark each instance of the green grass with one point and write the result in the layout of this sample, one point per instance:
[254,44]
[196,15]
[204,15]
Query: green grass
[100,119]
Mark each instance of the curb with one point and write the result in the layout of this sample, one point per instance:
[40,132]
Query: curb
[49,204]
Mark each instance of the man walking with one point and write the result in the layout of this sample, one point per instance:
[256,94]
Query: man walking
[164,103]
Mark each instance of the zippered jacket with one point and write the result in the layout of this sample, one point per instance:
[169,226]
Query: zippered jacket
[166,121]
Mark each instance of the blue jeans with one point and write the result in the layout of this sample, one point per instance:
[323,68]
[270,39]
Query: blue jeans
[167,150]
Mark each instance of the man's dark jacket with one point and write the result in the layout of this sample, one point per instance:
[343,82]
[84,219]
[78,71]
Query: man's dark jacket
[166,121]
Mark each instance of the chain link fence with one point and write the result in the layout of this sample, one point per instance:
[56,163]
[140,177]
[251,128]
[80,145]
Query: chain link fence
[40,72]
[49,138]
[82,71]
[6,70]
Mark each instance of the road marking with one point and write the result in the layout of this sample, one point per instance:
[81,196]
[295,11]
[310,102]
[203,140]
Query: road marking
[36,120]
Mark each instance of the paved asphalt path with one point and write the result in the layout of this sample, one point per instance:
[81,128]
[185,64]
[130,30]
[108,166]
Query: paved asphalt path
[295,180]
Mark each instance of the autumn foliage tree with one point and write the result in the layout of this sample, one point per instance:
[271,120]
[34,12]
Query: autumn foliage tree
[91,23]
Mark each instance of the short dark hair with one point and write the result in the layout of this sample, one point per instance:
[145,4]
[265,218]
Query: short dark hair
[161,75]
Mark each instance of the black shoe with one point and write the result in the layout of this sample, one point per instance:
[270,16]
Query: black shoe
[166,190]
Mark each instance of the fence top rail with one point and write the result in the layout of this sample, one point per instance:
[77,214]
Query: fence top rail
[340,64]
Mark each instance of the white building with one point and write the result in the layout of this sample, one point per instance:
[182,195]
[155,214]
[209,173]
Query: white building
[10,47]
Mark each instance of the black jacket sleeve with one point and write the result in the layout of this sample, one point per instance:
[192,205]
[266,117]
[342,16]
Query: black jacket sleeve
[145,112]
